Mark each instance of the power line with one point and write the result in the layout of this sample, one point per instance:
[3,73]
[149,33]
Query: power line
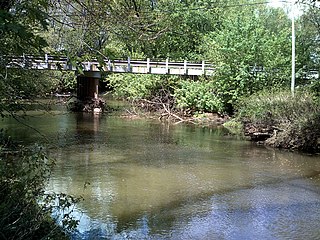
[209,7]
[214,7]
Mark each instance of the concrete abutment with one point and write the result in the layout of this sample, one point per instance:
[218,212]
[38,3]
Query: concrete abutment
[88,94]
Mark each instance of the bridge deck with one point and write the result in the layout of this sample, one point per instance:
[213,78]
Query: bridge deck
[116,66]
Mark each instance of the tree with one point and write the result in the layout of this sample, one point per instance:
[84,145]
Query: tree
[87,28]
[308,33]
[251,51]
[136,28]
[182,25]
[20,25]
[24,171]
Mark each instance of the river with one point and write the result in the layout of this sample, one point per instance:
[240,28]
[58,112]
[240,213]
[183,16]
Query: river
[143,179]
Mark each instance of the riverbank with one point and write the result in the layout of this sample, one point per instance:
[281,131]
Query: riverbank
[274,119]
[279,120]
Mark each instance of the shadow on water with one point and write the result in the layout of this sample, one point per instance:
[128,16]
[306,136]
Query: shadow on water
[148,180]
[170,182]
[166,217]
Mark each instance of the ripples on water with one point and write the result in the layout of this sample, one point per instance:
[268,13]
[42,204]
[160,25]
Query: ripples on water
[147,180]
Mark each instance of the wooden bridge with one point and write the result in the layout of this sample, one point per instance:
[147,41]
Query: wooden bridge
[89,72]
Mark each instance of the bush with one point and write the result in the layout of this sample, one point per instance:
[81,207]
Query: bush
[134,86]
[293,122]
[25,209]
[197,96]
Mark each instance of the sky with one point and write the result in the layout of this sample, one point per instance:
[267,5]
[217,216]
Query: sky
[287,5]
[276,3]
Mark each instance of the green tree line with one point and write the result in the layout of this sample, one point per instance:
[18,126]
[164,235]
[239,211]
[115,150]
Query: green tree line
[248,42]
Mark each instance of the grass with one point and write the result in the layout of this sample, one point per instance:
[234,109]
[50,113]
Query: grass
[295,120]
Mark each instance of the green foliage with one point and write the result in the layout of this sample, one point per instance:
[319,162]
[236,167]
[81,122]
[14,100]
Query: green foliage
[62,81]
[138,86]
[250,51]
[314,87]
[19,22]
[184,24]
[198,96]
[294,119]
[278,106]
[307,45]
[25,208]
[156,29]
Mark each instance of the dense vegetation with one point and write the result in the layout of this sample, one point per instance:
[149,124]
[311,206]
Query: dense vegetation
[25,208]
[282,120]
[248,42]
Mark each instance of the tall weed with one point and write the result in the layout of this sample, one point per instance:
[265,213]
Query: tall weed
[277,105]
[295,120]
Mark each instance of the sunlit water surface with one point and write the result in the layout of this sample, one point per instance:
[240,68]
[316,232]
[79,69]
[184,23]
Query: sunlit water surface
[142,179]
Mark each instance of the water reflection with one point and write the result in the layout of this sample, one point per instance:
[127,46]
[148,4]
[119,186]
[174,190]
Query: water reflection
[155,181]
[147,180]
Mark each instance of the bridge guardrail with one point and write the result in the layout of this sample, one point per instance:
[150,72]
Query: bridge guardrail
[117,66]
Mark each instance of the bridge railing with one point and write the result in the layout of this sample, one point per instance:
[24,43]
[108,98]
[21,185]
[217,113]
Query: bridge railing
[118,66]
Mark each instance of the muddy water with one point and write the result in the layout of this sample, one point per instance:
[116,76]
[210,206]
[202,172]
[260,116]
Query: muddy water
[145,180]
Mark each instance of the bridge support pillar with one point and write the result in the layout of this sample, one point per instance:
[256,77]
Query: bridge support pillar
[88,93]
[87,88]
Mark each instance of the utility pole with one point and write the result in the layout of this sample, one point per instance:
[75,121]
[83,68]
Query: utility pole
[293,59]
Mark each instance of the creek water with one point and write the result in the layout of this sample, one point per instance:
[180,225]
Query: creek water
[142,179]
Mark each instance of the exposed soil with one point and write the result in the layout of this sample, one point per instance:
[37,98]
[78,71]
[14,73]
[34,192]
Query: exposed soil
[286,135]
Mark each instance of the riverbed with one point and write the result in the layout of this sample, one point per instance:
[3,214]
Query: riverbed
[146,179]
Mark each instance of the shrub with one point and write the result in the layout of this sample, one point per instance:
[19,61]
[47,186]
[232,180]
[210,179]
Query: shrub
[134,86]
[197,96]
[25,209]
[294,121]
